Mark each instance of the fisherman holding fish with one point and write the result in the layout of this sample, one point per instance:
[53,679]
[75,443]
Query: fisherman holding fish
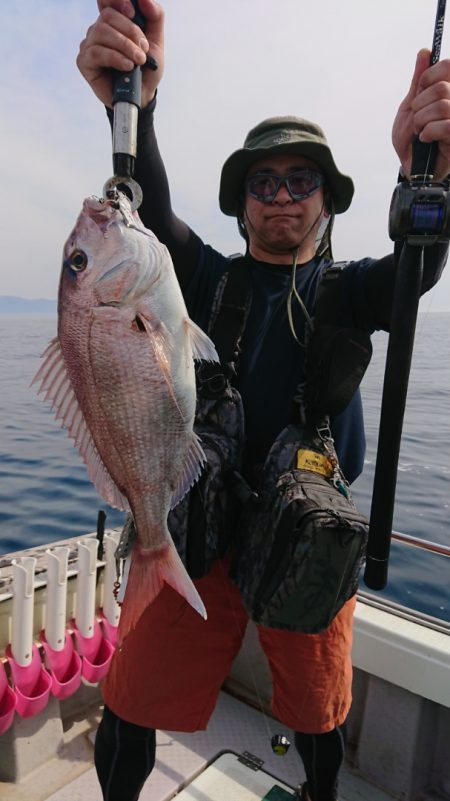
[284,188]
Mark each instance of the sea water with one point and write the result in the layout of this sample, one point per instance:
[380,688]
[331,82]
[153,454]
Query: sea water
[45,493]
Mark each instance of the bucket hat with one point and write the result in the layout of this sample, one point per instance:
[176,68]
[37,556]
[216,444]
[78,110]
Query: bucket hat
[283,135]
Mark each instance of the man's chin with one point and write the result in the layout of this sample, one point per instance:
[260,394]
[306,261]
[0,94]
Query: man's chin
[285,244]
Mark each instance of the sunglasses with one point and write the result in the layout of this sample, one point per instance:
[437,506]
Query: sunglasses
[300,184]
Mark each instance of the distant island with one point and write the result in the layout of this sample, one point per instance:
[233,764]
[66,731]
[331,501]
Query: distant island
[10,304]
[14,305]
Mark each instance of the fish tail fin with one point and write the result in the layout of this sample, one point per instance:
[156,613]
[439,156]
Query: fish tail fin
[175,574]
[147,575]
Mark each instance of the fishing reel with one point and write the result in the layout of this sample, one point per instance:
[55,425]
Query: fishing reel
[420,211]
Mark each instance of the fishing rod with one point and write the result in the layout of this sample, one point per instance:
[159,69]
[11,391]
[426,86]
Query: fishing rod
[126,103]
[419,216]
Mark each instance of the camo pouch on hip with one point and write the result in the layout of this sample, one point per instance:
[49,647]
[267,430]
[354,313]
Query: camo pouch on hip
[302,543]
[201,524]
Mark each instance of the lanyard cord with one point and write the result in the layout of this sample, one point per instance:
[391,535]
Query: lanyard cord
[293,294]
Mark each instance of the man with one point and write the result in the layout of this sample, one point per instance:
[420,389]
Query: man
[284,188]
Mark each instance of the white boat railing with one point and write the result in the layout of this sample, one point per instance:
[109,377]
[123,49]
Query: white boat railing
[431,622]
[400,610]
[418,542]
[48,650]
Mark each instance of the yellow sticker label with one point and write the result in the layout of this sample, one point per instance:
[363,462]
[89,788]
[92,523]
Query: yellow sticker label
[316,462]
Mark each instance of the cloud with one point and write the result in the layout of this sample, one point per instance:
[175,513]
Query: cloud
[346,65]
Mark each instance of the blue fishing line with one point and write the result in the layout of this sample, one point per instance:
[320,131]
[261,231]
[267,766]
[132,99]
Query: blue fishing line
[427,217]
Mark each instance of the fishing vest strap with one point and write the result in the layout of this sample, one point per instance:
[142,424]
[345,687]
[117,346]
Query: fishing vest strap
[336,356]
[325,296]
[232,311]
[227,324]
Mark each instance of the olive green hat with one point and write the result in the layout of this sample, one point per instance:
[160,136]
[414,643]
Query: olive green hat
[283,135]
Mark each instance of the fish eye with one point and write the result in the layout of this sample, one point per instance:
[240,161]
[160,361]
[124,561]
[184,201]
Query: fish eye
[78,261]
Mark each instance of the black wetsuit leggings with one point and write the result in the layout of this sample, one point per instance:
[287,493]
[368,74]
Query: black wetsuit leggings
[125,756]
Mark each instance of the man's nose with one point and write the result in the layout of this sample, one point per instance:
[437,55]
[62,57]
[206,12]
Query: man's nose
[283,195]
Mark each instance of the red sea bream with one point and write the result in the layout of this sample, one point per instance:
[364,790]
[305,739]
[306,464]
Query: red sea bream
[120,376]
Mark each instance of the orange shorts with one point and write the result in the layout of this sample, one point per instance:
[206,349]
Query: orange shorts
[170,669]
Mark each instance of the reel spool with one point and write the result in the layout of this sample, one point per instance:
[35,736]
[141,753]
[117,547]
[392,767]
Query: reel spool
[420,212]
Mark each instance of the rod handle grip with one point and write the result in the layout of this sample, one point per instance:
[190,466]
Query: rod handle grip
[425,154]
[138,18]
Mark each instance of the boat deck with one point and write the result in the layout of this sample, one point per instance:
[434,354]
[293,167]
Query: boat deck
[399,725]
[235,727]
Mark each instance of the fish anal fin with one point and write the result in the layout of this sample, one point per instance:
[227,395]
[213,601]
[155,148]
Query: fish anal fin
[53,379]
[147,576]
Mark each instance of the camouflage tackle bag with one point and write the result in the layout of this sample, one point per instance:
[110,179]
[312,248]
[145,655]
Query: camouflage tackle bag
[303,540]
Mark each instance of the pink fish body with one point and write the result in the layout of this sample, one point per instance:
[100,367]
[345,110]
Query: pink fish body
[120,376]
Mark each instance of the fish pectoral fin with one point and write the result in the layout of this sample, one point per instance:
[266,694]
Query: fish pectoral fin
[147,576]
[53,379]
[155,328]
[202,347]
[160,341]
[192,468]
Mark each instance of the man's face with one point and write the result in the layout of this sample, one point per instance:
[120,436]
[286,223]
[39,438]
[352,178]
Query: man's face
[276,228]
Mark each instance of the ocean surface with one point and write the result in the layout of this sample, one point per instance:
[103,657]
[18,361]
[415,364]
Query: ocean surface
[45,494]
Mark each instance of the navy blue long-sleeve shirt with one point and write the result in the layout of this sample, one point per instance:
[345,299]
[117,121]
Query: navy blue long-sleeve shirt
[271,363]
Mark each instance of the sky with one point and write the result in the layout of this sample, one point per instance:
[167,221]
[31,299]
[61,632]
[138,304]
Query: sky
[346,65]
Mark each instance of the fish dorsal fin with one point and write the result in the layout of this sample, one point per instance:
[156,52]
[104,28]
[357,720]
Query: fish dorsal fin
[202,346]
[54,381]
[192,467]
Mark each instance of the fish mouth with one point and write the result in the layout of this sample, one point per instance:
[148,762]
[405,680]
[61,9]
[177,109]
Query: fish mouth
[98,211]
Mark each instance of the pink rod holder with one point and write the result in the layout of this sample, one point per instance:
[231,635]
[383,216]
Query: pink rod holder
[32,684]
[64,667]
[8,701]
[96,653]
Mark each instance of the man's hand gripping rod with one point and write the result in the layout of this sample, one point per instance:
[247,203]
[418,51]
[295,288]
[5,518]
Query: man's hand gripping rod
[419,216]
[127,102]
